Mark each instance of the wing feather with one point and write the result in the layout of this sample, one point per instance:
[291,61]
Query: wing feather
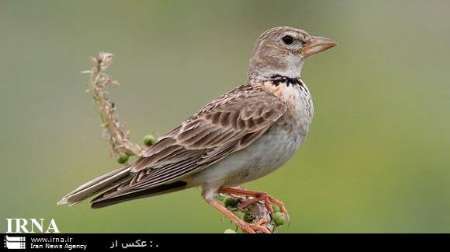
[226,125]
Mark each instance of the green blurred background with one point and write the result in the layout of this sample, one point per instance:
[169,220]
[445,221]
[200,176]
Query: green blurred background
[377,158]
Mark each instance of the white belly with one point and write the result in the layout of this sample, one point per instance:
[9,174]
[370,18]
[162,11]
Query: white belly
[262,157]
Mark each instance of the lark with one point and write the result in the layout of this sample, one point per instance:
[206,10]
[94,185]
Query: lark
[241,136]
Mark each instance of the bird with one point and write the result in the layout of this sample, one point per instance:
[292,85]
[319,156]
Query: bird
[241,136]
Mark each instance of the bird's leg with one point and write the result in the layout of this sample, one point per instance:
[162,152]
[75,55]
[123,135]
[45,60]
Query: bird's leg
[256,196]
[244,226]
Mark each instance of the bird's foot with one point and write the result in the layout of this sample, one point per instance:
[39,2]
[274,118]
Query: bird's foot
[268,200]
[250,228]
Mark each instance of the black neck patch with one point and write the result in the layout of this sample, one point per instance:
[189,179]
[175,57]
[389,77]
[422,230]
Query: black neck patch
[276,79]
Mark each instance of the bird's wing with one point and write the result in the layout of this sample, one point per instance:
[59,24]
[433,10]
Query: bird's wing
[227,124]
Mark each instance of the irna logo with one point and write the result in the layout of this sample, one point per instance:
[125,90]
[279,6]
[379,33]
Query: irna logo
[31,225]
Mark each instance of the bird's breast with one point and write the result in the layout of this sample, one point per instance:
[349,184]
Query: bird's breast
[300,109]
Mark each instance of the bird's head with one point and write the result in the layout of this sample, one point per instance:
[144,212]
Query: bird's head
[282,51]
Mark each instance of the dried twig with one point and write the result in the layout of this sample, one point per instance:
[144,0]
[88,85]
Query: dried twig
[114,131]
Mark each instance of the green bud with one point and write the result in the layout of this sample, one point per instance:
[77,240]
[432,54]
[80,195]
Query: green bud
[276,208]
[231,202]
[278,218]
[149,140]
[123,158]
[220,197]
[229,231]
[248,217]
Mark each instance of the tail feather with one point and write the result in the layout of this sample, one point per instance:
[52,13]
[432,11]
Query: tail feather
[114,196]
[99,184]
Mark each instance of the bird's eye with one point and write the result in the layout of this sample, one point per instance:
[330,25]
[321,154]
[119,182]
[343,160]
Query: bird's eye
[288,39]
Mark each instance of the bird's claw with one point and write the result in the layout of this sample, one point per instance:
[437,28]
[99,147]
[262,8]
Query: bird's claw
[250,198]
[269,201]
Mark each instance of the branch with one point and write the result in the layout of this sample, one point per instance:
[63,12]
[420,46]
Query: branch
[114,131]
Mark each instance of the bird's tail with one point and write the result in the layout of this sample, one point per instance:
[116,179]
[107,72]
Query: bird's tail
[97,185]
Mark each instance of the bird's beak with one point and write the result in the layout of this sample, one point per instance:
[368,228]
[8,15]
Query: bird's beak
[316,45]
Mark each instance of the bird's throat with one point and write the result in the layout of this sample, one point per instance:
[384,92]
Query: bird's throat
[278,79]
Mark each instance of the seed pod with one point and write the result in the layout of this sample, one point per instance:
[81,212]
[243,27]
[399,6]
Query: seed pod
[149,140]
[279,218]
[123,158]
[276,208]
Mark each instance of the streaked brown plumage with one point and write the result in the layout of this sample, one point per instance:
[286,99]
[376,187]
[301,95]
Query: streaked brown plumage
[226,142]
